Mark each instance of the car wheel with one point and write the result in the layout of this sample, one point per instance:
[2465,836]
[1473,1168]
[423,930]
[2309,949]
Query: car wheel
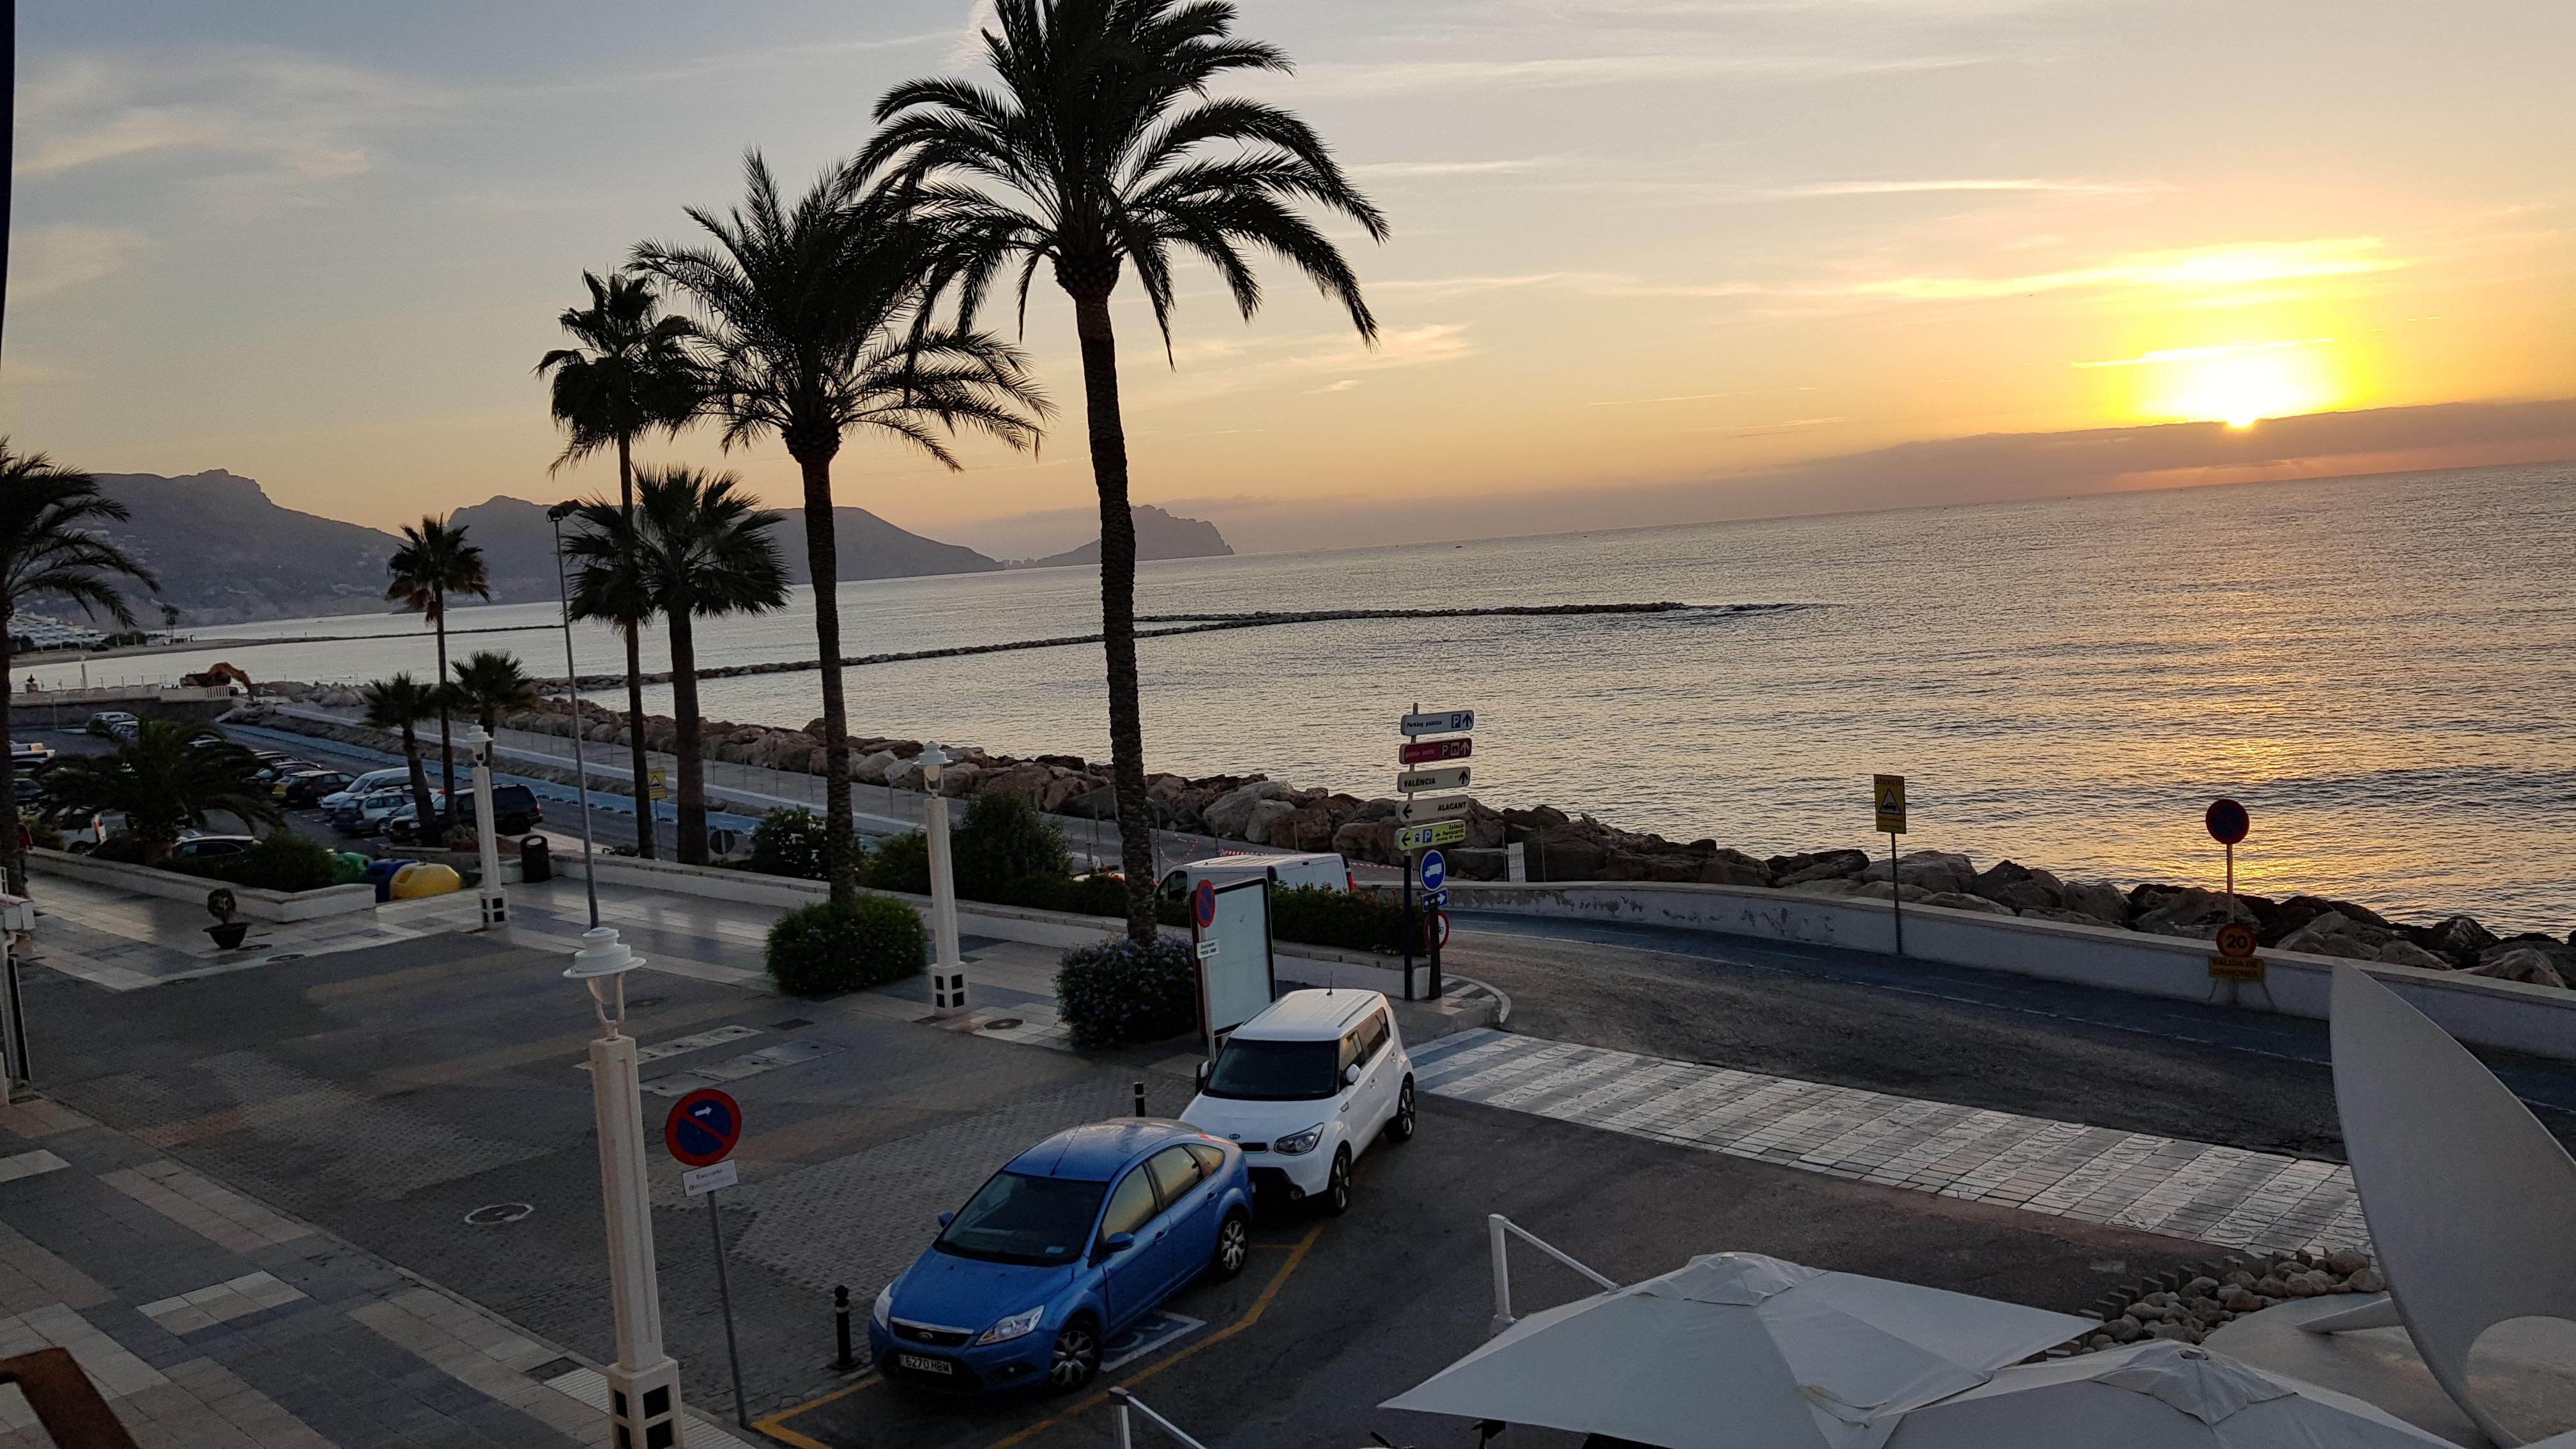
[80,847]
[1335,1199]
[1400,1129]
[1076,1359]
[1233,1246]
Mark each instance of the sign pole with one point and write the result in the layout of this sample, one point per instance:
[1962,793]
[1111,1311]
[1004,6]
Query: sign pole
[724,1296]
[1412,863]
[1895,893]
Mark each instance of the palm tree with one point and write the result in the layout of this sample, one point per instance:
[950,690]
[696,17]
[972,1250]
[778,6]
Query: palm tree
[434,562]
[631,374]
[1094,154]
[695,548]
[51,547]
[817,326]
[400,704]
[486,682]
[171,774]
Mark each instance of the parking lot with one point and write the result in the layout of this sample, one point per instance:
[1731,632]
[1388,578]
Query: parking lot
[388,1094]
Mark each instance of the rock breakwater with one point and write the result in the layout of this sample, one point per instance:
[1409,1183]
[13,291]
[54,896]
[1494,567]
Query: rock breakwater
[1255,810]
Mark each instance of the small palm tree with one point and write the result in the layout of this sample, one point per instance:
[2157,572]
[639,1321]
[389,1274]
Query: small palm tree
[171,774]
[630,374]
[488,682]
[51,547]
[1093,155]
[400,704]
[434,563]
[816,327]
[698,548]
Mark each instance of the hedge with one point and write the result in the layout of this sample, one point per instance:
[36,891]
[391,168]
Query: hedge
[788,841]
[1350,920]
[279,861]
[834,946]
[1004,841]
[1121,991]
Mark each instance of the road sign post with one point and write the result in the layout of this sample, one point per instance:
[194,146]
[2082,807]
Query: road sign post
[1435,895]
[1887,794]
[2235,966]
[1423,825]
[701,1132]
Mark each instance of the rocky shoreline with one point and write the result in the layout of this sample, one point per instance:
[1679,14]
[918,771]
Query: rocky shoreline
[1256,810]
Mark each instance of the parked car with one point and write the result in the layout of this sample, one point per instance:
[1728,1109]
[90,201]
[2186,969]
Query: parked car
[346,798]
[114,724]
[30,757]
[1324,870]
[273,772]
[514,806]
[1062,1250]
[312,787]
[379,806]
[82,835]
[27,788]
[199,847]
[1305,1087]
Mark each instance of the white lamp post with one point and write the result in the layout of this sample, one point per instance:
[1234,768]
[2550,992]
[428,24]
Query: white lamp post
[644,1384]
[487,834]
[948,977]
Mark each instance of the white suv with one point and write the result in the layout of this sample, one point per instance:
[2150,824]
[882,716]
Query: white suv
[1305,1087]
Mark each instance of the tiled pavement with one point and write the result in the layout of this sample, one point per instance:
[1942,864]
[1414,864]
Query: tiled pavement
[211,1322]
[2222,1195]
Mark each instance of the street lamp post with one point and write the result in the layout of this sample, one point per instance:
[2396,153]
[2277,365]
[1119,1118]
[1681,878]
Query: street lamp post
[487,835]
[572,696]
[644,1383]
[948,978]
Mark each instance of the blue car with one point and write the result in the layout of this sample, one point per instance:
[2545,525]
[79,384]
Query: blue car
[1059,1252]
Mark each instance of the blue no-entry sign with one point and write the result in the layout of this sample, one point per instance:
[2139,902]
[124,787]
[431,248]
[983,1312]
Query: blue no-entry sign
[703,1127]
[1435,870]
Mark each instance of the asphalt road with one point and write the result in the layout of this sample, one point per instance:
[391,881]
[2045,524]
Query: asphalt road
[1951,1034]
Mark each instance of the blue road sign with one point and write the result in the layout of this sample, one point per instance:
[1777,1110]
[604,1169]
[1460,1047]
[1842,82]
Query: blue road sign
[1436,898]
[1435,870]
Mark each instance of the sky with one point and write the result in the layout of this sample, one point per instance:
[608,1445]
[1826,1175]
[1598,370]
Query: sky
[1651,259]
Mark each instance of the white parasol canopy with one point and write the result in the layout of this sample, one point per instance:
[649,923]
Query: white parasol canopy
[2159,1395]
[1740,1351]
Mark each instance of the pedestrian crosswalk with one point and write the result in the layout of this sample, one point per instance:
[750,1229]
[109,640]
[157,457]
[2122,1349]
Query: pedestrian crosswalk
[2222,1195]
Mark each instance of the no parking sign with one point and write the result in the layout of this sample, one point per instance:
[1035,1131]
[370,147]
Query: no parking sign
[703,1127]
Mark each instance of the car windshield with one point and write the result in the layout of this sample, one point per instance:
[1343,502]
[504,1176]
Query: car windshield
[1016,1218]
[1275,1071]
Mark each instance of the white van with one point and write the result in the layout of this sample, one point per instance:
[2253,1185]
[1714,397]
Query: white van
[1305,1087]
[1324,871]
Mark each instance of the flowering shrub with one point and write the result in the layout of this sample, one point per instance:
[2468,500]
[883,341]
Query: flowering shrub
[1122,991]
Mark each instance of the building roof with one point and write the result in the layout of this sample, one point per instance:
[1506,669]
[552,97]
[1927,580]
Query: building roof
[1310,1016]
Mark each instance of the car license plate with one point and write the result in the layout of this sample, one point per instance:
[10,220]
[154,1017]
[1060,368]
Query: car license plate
[926,1365]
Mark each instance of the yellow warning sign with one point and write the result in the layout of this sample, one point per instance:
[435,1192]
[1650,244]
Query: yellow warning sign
[655,785]
[1889,793]
[2235,968]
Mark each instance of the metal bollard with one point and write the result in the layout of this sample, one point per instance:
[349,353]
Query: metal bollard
[841,1327]
[1140,1099]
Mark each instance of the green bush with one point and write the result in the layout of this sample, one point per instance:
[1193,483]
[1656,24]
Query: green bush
[788,841]
[834,946]
[1082,895]
[1002,841]
[899,863]
[1120,991]
[281,861]
[1319,916]
[122,848]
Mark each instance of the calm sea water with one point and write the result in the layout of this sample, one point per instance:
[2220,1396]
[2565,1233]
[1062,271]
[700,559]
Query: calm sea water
[2380,668]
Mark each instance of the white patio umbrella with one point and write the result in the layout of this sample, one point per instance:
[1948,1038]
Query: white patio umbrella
[2160,1395]
[1740,1351]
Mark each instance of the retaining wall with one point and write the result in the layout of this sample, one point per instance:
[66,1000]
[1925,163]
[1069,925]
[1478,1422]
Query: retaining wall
[2509,1014]
[259,905]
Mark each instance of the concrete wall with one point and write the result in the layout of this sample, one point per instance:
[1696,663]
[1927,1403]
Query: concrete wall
[2536,1019]
[169,885]
[70,709]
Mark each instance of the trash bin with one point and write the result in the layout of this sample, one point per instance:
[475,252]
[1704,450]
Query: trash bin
[536,861]
[381,876]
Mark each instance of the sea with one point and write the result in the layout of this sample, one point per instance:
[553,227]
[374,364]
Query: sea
[2381,669]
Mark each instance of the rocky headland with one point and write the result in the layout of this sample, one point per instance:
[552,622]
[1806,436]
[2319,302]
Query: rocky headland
[1255,810]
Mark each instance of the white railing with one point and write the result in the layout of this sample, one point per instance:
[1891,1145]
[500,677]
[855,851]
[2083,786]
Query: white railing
[1499,1231]
[1128,1406]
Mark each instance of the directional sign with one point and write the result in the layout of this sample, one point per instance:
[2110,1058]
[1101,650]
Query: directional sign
[1435,898]
[1411,782]
[703,1127]
[1423,752]
[1423,837]
[1435,871]
[1887,792]
[2228,822]
[1203,904]
[1439,722]
[1444,807]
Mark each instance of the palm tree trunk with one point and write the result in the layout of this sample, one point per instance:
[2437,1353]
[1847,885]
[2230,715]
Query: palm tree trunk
[690,746]
[1118,610]
[9,850]
[645,836]
[419,775]
[446,746]
[823,563]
